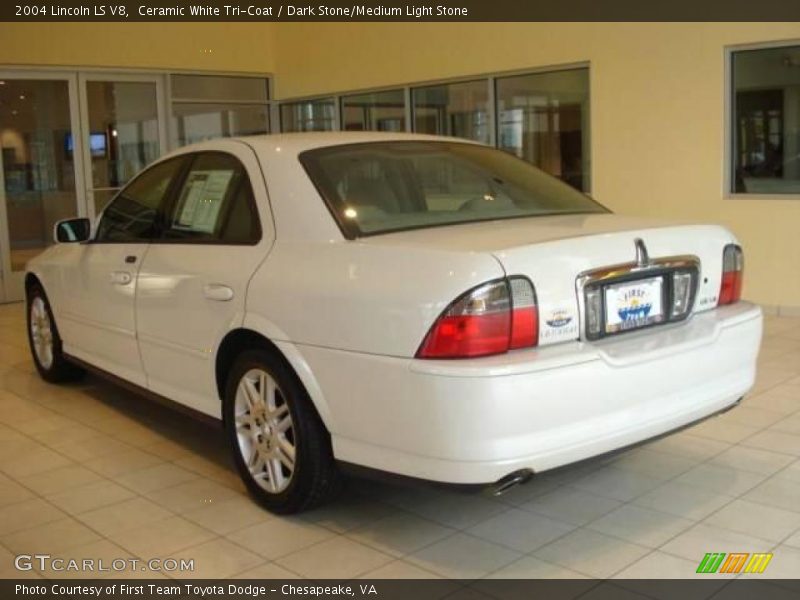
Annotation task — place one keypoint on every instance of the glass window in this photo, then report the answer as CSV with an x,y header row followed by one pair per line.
x,y
385,186
215,203
132,214
379,111
213,88
543,118
205,107
310,115
199,122
123,133
766,121
36,164
456,109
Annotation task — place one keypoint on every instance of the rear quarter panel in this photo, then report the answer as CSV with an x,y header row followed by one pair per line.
x,y
350,296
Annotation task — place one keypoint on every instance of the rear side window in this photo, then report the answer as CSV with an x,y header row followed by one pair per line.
x,y
132,216
214,203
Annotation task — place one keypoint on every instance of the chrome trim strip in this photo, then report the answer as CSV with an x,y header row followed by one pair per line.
x,y
621,270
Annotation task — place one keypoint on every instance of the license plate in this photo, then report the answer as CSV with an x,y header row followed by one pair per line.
x,y
634,304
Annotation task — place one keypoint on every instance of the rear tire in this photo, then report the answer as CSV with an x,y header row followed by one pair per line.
x,y
45,342
280,445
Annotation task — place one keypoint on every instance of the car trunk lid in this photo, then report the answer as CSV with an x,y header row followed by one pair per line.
x,y
553,252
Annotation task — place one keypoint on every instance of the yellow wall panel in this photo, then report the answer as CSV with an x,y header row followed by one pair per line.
x,y
246,47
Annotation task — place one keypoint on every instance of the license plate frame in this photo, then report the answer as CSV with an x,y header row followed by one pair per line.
x,y
591,287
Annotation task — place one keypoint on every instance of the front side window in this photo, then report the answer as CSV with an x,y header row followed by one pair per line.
x,y
381,187
133,214
766,121
214,203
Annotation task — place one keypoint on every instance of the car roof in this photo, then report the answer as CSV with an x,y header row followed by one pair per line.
x,y
292,144
295,143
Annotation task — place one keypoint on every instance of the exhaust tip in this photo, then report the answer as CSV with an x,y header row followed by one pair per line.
x,y
502,485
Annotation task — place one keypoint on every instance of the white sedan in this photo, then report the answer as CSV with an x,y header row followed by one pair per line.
x,y
419,305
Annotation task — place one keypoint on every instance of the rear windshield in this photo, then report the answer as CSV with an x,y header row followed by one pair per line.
x,y
380,187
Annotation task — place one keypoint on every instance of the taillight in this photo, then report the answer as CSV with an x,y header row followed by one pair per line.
x,y
490,319
730,290
524,314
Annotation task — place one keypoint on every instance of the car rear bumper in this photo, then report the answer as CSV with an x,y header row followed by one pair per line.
x,y
475,421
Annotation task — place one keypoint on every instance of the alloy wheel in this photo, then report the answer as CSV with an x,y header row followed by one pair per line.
x,y
265,431
41,333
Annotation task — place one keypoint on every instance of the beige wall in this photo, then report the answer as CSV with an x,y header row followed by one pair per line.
x,y
657,97
246,47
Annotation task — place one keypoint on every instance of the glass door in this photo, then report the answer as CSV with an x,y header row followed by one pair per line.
x,y
40,167
124,130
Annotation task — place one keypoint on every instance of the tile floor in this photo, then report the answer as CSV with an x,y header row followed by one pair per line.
x,y
90,470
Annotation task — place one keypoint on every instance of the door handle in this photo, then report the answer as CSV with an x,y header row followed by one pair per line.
x,y
218,291
121,277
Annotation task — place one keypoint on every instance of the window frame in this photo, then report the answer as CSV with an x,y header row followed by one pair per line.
x,y
728,170
171,200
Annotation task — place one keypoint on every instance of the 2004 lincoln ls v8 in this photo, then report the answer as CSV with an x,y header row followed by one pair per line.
x,y
419,305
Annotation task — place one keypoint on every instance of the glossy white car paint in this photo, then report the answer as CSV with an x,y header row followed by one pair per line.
x,y
182,312
475,421
349,316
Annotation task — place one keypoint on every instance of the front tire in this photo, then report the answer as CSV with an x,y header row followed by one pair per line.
x,y
45,342
280,445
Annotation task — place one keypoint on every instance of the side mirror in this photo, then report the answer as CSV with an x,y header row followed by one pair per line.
x,y
72,230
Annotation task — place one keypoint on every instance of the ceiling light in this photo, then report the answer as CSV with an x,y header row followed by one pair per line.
x,y
22,96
